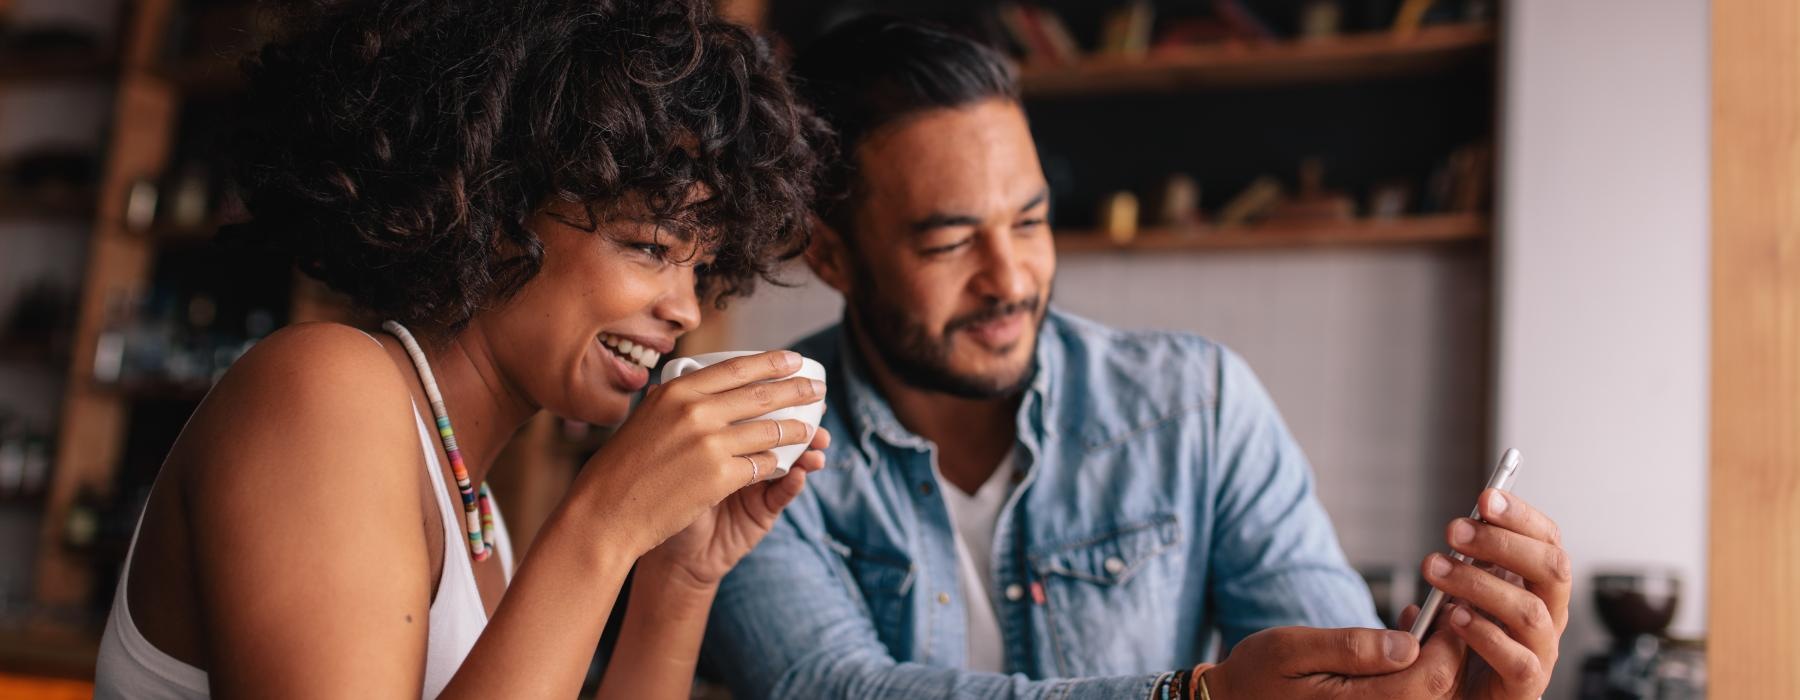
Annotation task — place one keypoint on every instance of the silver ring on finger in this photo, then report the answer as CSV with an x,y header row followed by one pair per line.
x,y
755,471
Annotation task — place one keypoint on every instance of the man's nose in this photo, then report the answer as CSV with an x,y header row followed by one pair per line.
x,y
1003,275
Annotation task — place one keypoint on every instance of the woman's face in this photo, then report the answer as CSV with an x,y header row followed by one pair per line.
x,y
580,337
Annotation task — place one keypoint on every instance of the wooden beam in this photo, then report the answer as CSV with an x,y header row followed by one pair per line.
x,y
91,437
1754,572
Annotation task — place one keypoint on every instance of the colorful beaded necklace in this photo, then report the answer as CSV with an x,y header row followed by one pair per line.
x,y
480,516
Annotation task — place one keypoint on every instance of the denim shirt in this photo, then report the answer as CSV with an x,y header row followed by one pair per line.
x,y
1162,499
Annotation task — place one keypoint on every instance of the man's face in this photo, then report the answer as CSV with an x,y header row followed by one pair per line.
x,y
950,263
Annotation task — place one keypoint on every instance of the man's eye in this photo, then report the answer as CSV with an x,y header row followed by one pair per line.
x,y
656,251
1029,223
940,250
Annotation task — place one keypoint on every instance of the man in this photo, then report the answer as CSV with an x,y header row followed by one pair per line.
x,y
1021,503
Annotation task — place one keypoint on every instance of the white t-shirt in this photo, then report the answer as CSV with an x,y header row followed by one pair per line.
x,y
974,516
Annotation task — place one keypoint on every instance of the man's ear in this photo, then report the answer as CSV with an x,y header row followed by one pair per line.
x,y
828,256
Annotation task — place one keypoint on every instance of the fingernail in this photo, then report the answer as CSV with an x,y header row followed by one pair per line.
x,y
1395,644
790,359
1496,503
1461,532
1440,567
818,388
1460,617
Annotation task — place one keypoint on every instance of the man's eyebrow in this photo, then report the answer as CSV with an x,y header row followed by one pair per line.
x,y
1035,200
937,220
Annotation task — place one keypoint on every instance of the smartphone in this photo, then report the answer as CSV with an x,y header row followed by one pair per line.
x,y
1501,479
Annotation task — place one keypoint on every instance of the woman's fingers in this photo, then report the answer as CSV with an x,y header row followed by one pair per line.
x,y
740,371
1520,610
747,402
1510,659
764,435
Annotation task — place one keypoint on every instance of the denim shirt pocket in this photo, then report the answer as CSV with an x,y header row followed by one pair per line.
x,y
1108,597
886,582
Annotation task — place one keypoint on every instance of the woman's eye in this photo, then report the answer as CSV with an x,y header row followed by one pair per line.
x,y
655,251
1029,223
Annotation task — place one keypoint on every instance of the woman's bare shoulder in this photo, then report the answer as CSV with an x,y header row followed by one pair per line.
x,y
324,386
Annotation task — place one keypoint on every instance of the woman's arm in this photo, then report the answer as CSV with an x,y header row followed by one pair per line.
x,y
660,639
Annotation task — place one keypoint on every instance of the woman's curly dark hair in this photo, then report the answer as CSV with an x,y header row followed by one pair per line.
x,y
396,148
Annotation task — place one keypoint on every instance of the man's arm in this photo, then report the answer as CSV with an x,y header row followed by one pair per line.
x,y
789,624
1275,558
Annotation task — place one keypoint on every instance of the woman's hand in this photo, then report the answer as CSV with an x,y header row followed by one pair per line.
x,y
684,450
703,553
1512,611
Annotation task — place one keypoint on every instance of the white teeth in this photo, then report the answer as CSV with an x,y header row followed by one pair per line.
x,y
638,354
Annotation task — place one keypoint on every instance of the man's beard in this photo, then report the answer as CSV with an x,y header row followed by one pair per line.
x,y
923,362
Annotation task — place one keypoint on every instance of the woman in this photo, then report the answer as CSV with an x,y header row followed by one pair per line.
x,y
539,195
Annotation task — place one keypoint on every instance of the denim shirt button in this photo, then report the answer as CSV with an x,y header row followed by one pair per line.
x,y
924,488
943,599
1114,565
1015,592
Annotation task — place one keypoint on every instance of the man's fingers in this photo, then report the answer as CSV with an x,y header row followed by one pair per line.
x,y
1544,566
1520,610
1511,512
1518,665
1347,651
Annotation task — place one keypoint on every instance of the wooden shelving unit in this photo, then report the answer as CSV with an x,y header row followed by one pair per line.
x,y
17,69
1346,58
79,207
1416,230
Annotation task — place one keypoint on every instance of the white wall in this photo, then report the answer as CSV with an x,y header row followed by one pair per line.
x,y
1603,278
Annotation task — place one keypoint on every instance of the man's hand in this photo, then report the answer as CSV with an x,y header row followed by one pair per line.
x,y
1304,663
1515,629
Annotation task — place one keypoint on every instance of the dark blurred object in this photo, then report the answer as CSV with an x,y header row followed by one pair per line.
x,y
38,326
1119,214
52,177
48,40
1178,204
1462,183
24,459
1643,664
1637,603
1321,19
1313,203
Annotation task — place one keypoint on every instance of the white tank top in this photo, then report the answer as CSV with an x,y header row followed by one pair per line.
x,y
130,667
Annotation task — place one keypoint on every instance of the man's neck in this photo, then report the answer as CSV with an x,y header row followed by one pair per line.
x,y
972,435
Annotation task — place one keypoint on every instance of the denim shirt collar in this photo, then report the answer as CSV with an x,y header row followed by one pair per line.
x,y
871,417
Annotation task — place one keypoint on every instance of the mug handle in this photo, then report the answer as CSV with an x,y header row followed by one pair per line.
x,y
677,367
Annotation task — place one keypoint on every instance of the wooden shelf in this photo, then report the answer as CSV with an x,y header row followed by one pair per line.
x,y
76,208
1346,58
1434,229
18,69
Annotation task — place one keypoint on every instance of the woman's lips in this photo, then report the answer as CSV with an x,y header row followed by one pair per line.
x,y
627,376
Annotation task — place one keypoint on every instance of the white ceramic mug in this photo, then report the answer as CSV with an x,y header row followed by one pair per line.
x,y
810,414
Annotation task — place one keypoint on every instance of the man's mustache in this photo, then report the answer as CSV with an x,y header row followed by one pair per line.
x,y
993,312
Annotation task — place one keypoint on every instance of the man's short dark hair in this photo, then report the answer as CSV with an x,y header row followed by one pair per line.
x,y
876,70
